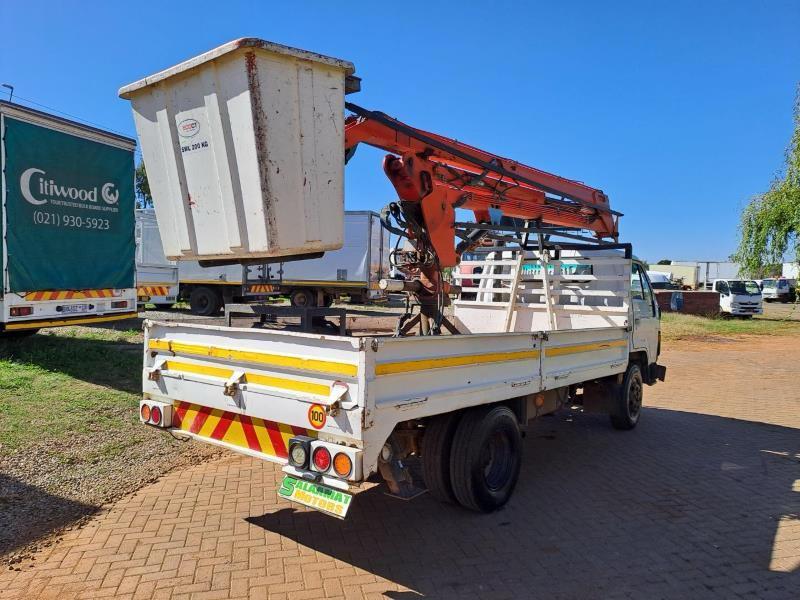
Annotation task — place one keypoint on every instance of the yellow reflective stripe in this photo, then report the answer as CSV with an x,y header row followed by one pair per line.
x,y
407,366
275,360
294,385
561,350
37,324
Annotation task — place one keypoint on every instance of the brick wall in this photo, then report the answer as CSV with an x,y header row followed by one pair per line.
x,y
693,303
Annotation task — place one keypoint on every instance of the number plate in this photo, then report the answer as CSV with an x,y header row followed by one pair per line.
x,y
315,495
71,309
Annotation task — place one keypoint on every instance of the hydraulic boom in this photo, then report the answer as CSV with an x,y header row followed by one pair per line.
x,y
434,175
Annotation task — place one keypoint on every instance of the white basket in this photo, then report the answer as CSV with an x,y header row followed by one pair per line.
x,y
244,150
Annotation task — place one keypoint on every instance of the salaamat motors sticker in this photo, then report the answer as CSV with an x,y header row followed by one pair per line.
x,y
316,496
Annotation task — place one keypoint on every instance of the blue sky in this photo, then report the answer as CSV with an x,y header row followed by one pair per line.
x,y
680,111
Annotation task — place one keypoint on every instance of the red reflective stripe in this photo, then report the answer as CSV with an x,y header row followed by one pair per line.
x,y
179,413
222,427
250,433
200,419
298,430
276,439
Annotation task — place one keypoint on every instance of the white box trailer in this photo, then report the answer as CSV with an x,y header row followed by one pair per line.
x,y
66,216
156,275
354,270
244,148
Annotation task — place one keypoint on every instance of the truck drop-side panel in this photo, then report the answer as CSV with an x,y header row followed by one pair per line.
x,y
366,385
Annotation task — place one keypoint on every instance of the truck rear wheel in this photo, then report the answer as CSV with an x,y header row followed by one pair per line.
x,y
436,445
627,404
485,458
204,302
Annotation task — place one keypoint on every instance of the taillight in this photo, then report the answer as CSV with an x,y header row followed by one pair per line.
x,y
21,311
342,465
321,459
155,413
119,304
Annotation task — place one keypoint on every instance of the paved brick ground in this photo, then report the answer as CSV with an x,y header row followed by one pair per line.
x,y
700,501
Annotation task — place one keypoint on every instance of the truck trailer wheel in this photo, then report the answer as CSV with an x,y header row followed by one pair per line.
x,y
436,445
628,401
485,458
303,298
204,301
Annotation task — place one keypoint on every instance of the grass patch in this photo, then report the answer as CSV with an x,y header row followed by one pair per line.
x,y
676,326
67,383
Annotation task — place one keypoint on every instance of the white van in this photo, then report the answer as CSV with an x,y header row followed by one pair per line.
x,y
738,297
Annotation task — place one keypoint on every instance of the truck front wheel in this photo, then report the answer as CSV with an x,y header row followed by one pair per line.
x,y
485,458
627,403
204,302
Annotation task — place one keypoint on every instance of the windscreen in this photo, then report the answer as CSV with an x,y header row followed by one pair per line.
x,y
749,288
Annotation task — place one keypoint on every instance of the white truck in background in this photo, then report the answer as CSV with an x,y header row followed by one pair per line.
x,y
354,271
156,276
738,297
778,289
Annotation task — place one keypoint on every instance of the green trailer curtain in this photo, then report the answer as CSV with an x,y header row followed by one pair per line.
x,y
70,211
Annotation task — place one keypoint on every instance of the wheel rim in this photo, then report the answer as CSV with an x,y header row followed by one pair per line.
x,y
498,461
301,300
634,398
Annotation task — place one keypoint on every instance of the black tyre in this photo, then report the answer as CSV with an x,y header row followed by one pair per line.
x,y
485,458
436,445
627,405
204,301
303,298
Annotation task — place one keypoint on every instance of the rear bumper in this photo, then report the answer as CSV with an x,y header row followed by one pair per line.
x,y
78,320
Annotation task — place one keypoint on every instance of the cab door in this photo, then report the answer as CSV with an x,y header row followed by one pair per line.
x,y
645,313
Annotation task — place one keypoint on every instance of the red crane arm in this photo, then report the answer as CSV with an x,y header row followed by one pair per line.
x,y
441,174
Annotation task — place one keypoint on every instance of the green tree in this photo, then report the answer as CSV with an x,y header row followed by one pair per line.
x,y
144,199
770,223
664,261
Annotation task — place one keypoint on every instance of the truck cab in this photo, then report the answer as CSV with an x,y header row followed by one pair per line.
x,y
738,297
777,289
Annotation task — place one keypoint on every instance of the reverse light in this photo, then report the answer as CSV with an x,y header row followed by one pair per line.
x,y
299,451
342,465
21,311
321,459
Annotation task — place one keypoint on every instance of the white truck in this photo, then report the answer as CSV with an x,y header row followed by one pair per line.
x,y
354,270
738,297
156,275
333,410
537,327
778,289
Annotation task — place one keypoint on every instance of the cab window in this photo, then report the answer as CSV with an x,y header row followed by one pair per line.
x,y
641,293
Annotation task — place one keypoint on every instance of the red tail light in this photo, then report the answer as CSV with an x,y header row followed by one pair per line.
x,y
119,304
21,311
322,459
155,415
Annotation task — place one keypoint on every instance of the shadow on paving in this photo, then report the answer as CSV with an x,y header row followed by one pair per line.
x,y
115,364
686,505
35,513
